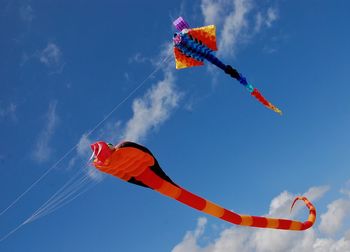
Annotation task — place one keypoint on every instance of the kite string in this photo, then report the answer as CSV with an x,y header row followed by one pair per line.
x,y
88,134
66,188
55,208
34,215
59,201
69,188
31,218
12,231
37,181
28,220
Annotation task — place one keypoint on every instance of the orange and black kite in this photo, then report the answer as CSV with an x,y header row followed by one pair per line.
x,y
134,163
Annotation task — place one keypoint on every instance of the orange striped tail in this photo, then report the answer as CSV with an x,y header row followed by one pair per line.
x,y
149,178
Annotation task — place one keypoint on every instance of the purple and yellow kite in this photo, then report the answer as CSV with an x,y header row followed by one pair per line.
x,y
193,46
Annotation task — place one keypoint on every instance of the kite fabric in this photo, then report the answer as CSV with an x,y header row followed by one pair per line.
x,y
193,46
134,163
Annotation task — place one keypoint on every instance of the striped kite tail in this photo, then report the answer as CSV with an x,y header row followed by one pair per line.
x,y
149,178
252,90
285,224
266,103
312,212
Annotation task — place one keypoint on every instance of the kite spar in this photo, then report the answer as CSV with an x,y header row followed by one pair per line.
x,y
193,46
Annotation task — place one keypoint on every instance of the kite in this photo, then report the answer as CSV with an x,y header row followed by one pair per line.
x,y
193,46
134,163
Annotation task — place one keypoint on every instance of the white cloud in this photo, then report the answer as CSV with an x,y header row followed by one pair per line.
x,y
51,56
211,11
82,150
272,16
316,192
127,76
265,19
259,21
280,205
111,132
138,58
234,23
26,13
332,220
153,109
148,113
83,146
189,242
42,149
244,239
346,189
330,245
94,174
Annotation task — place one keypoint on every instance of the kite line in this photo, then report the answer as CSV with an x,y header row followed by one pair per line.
x,y
41,177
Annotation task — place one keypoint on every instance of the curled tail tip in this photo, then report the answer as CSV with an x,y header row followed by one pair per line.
x,y
312,214
294,201
303,198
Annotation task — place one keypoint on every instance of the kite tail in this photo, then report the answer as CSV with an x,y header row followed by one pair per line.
x,y
236,75
149,178
252,90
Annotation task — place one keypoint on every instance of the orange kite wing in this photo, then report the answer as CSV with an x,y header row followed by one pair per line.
x,y
205,35
182,61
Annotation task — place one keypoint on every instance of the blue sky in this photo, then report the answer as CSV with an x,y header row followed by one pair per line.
x,y
66,69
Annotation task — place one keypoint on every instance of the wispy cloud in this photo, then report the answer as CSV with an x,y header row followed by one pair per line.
x,y
265,19
149,112
26,13
212,11
271,17
42,150
280,205
233,14
333,219
156,105
83,151
51,55
261,240
346,189
8,111
83,146
235,23
152,109
138,58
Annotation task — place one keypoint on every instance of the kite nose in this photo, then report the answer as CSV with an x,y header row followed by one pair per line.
x,y
101,151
